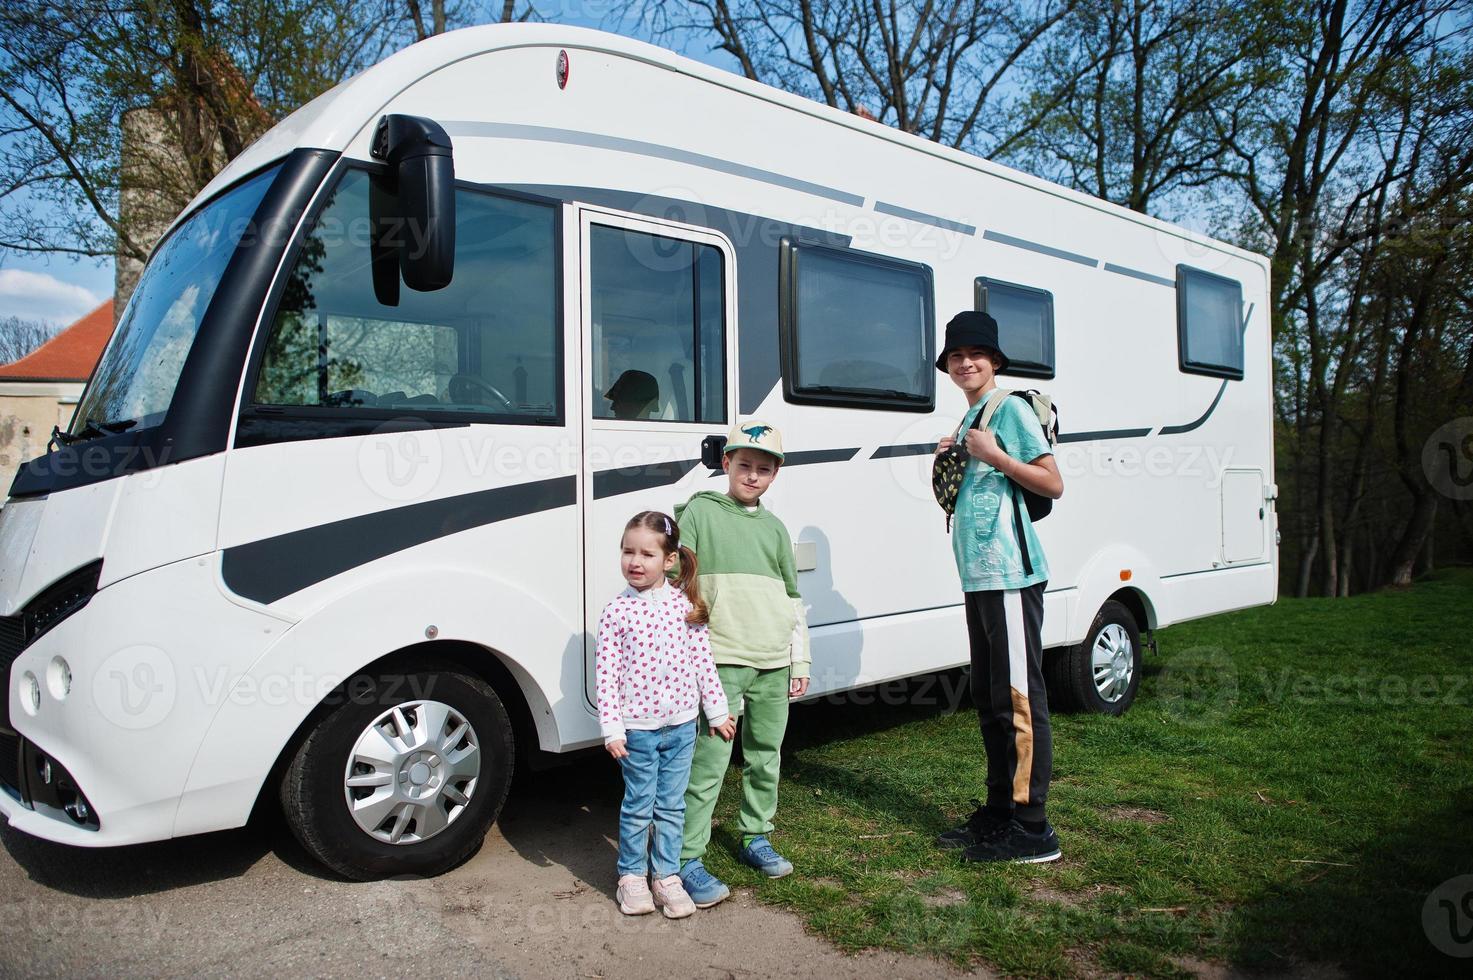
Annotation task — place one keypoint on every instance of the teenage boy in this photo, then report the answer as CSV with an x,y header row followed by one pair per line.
x,y
1004,603
759,639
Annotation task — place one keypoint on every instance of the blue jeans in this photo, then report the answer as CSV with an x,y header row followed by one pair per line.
x,y
656,771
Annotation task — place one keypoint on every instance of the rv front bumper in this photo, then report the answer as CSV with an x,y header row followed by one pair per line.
x,y
114,703
31,778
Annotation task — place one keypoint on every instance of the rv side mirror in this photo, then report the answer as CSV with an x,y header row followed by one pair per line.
x,y
712,448
422,228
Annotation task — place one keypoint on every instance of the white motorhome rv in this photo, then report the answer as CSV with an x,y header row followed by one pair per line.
x,y
342,502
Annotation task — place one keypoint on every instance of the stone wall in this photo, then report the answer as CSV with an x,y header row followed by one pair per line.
x,y
28,410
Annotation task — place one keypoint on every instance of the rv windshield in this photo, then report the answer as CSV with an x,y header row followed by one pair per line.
x,y
135,379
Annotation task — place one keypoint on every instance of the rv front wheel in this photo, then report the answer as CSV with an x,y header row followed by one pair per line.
x,y
1102,674
403,776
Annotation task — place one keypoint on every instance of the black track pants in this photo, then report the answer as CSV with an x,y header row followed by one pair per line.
x,y
1005,628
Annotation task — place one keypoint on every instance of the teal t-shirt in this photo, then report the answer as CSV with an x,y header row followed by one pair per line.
x,y
983,535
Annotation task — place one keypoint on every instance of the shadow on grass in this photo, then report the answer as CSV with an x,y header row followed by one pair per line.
x,y
569,815
565,815
877,708
1368,917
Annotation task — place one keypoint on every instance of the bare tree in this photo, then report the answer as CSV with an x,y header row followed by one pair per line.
x,y
1314,154
947,72
212,75
1142,84
19,336
443,17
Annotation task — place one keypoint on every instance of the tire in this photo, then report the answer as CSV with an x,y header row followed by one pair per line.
x,y
422,799
1071,672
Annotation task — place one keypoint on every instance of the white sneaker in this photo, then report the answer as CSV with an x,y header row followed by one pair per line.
x,y
634,896
670,895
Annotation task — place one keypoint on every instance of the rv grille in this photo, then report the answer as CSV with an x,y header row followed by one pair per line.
x,y
12,641
10,762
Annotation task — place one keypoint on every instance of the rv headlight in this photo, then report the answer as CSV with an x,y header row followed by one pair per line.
x,y
59,678
30,693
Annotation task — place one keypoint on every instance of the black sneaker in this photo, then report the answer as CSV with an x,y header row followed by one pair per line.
x,y
1016,843
981,826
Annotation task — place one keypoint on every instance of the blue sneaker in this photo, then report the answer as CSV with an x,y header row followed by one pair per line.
x,y
704,888
760,855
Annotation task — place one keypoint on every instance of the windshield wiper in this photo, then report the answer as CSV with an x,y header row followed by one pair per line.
x,y
60,438
91,430
122,425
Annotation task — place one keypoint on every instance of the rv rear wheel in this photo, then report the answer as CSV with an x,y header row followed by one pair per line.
x,y
403,776
1102,674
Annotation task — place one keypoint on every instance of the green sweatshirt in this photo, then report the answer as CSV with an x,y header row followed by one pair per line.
x,y
745,561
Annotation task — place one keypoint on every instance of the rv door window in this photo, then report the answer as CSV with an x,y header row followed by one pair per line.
x,y
1209,323
659,328
857,329
486,345
1025,324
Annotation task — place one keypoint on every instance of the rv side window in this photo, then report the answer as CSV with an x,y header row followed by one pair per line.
x,y
659,328
1025,324
1209,323
486,346
857,329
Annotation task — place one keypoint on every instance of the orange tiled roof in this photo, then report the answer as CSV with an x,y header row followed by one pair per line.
x,y
70,355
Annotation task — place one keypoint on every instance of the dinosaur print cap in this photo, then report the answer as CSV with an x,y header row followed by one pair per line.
x,y
754,434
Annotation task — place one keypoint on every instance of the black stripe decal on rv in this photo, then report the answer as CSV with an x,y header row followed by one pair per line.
x,y
1103,434
611,483
909,449
1172,430
275,567
820,456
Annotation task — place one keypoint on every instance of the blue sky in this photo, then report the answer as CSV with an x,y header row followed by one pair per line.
x,y
59,289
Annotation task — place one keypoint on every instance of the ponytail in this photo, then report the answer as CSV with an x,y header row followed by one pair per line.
x,y
669,531
691,586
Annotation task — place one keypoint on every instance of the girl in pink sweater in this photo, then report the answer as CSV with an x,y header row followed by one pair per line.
x,y
654,675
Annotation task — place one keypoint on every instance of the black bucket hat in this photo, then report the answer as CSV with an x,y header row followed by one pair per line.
x,y
971,328
634,385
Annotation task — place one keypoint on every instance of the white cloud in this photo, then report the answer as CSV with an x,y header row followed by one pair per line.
x,y
39,296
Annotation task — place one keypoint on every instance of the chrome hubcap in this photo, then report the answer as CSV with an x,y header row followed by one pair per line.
x,y
1113,660
412,772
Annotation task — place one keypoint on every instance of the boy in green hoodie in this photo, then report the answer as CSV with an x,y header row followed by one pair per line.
x,y
759,639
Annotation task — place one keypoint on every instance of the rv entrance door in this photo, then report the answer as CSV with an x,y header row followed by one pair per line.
x,y
658,354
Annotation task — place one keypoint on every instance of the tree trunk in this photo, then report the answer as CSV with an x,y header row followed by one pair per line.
x,y
1414,538
1330,545
1368,562
1306,564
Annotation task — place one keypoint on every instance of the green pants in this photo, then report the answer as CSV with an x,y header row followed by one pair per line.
x,y
760,698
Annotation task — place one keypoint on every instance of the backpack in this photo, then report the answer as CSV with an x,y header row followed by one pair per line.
x,y
951,464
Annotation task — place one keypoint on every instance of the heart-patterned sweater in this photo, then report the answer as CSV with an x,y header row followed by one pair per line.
x,y
653,668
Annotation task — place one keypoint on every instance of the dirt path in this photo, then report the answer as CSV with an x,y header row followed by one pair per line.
x,y
535,902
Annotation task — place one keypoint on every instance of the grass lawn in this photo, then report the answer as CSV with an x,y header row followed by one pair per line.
x,y
1289,787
